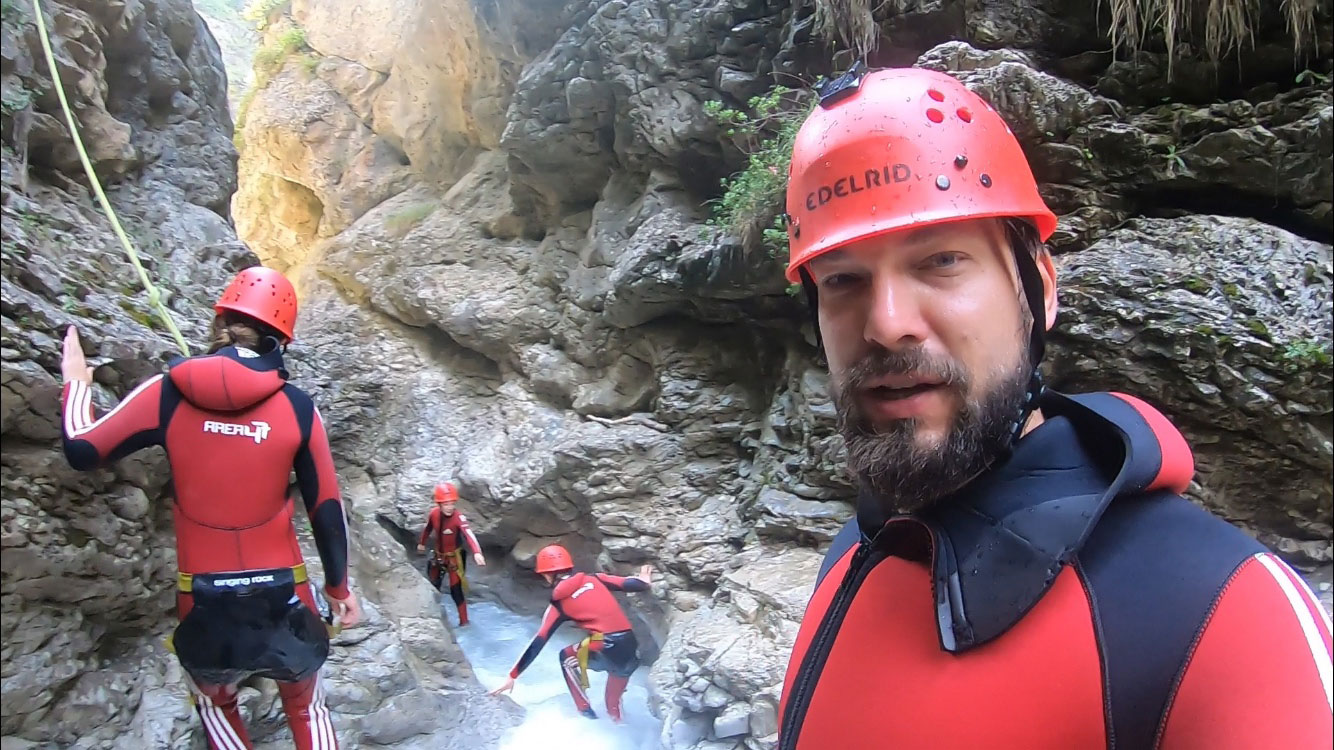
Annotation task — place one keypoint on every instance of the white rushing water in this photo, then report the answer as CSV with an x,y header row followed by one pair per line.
x,y
493,642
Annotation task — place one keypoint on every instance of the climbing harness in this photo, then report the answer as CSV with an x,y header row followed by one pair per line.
x,y
453,563
154,296
584,647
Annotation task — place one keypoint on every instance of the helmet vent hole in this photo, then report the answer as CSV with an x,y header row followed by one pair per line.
x,y
960,161
935,115
934,94
943,182
964,114
985,179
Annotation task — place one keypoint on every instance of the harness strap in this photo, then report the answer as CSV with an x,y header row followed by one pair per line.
x,y
453,562
185,581
584,647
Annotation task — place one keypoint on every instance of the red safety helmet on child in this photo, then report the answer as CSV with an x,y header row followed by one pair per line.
x,y
263,294
553,558
446,493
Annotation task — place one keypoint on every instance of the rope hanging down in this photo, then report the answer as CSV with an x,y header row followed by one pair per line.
x,y
154,297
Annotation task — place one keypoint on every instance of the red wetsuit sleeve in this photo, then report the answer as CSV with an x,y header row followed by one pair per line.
x,y
1259,675
551,620
468,537
431,518
134,424
324,505
620,583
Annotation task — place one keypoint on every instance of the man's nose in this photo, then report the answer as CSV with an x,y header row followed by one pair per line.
x,y
895,320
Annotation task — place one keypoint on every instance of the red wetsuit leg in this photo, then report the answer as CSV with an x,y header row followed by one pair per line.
x,y
456,593
216,706
569,666
615,689
307,714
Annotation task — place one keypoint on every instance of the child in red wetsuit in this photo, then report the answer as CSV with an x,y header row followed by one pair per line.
x,y
586,600
234,428
449,526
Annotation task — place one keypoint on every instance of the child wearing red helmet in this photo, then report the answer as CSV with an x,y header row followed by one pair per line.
x,y
586,600
447,526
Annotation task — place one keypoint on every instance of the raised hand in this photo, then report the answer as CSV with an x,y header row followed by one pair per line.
x,y
73,365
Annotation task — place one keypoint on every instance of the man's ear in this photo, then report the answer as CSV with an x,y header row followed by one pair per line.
x,y
1047,269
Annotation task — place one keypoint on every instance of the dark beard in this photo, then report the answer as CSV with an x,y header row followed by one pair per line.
x,y
888,462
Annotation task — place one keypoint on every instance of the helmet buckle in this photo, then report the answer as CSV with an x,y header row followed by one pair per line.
x,y
832,92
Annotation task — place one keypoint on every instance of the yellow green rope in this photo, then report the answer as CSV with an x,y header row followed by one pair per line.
x,y
154,297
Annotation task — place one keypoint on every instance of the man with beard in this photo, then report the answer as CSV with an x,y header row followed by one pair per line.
x,y
1022,571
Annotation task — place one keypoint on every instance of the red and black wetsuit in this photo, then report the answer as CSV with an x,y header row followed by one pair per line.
x,y
1069,598
447,530
234,430
587,601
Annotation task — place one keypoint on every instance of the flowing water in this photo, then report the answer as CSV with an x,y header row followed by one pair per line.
x,y
493,642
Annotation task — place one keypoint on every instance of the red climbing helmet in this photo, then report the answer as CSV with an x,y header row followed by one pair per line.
x,y
902,147
553,558
446,493
263,294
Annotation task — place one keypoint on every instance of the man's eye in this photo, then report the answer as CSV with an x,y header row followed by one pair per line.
x,y
943,260
839,280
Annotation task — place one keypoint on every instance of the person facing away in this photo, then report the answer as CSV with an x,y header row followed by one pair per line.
x,y
1022,570
587,601
447,526
234,429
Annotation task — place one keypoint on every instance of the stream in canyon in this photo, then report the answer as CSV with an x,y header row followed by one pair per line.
x,y
493,642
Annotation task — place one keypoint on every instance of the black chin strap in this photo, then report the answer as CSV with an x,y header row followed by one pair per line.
x,y
1031,280
812,303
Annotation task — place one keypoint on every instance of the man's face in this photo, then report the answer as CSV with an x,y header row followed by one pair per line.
x,y
446,508
926,336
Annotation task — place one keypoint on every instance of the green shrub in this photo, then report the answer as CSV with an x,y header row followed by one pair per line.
x,y
270,58
1308,354
258,12
751,206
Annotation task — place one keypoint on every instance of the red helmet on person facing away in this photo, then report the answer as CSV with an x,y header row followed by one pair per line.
x,y
263,294
553,558
445,492
903,148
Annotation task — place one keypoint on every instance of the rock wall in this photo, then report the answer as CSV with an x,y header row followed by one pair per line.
x,y
89,557
545,314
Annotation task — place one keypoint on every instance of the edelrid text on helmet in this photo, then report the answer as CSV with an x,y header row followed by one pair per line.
x,y
902,148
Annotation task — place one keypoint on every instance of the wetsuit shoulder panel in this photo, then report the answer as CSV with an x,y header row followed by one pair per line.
x,y
1152,568
1259,672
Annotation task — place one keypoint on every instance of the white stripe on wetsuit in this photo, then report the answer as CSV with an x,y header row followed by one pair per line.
x,y
1301,607
79,413
216,725
322,736
571,666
